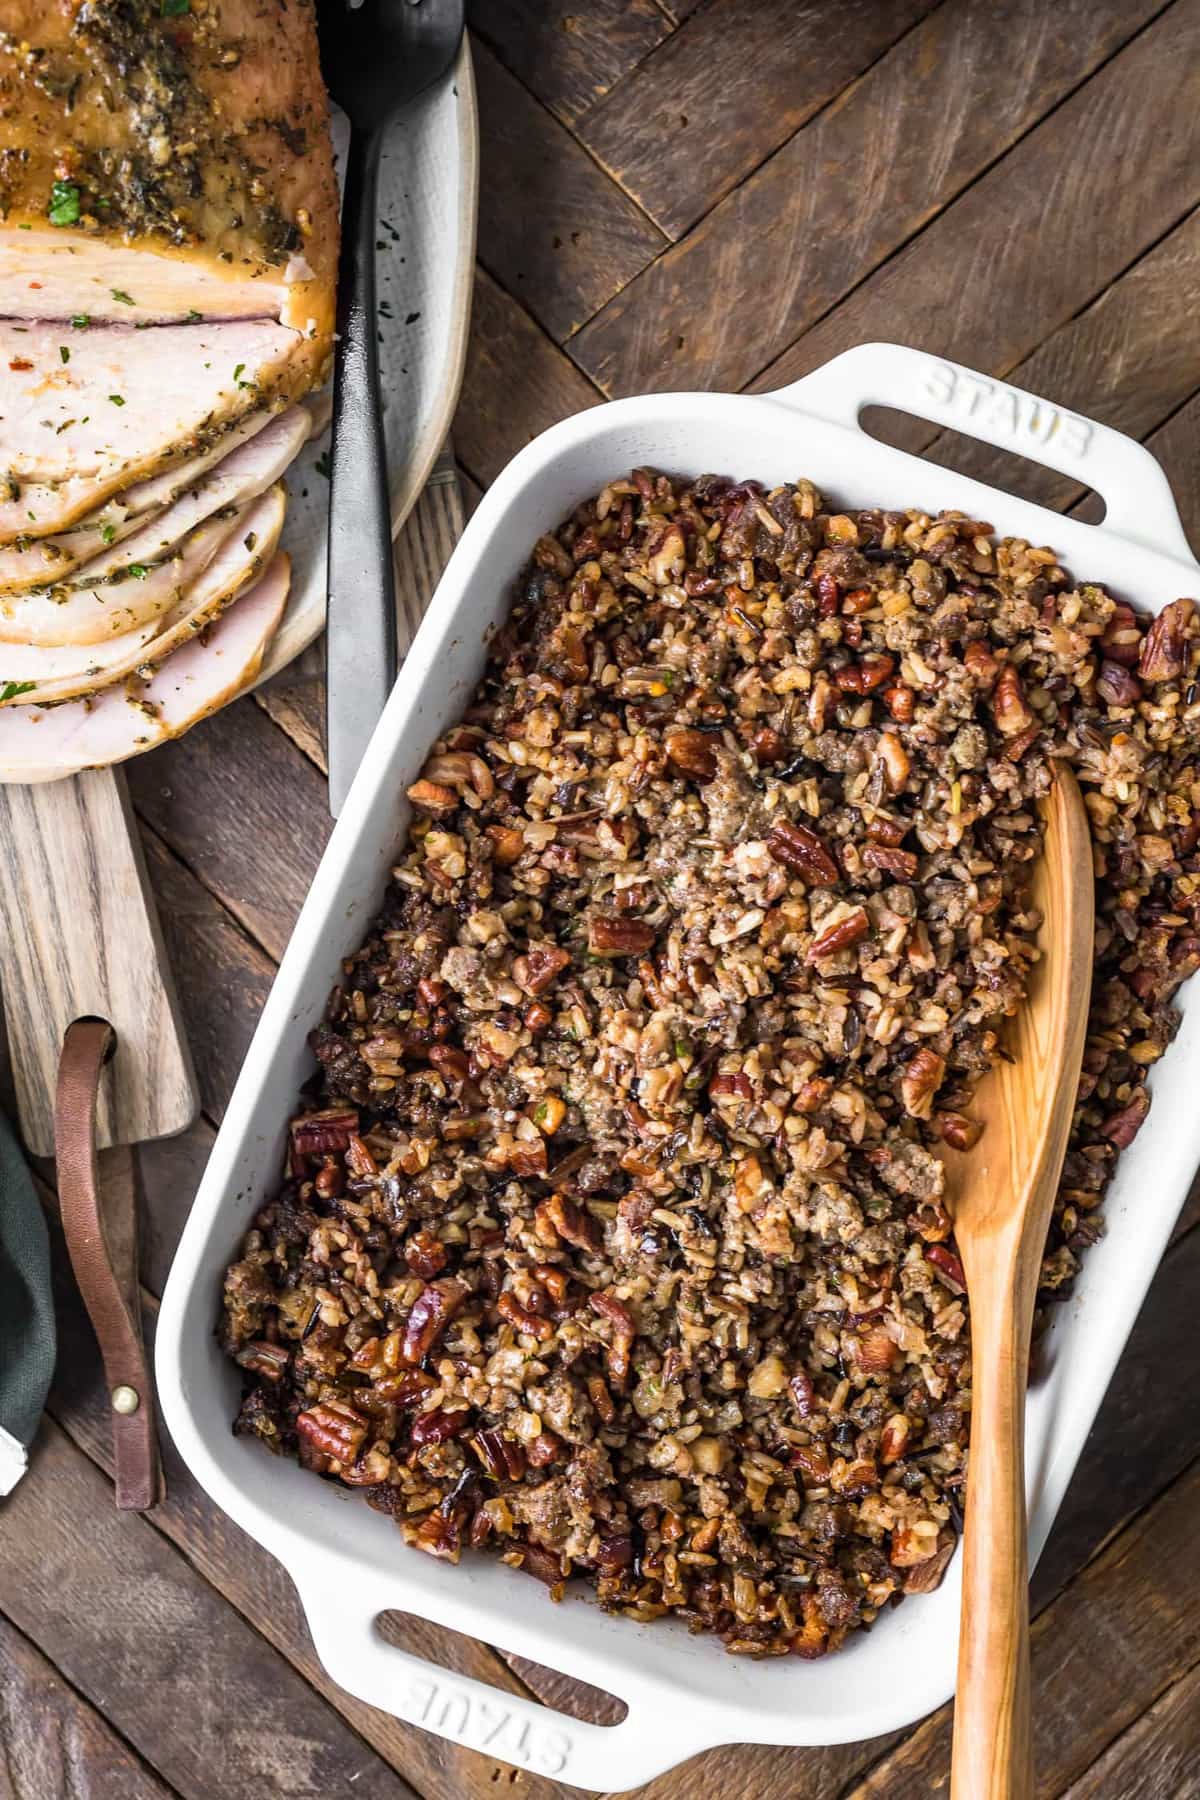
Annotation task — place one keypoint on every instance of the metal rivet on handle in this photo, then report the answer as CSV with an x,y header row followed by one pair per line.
x,y
125,1400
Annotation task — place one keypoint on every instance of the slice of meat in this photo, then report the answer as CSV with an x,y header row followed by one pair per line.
x,y
46,743
175,502
167,162
72,614
65,672
125,404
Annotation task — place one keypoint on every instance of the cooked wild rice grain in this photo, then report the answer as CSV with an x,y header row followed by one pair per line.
x,y
612,1236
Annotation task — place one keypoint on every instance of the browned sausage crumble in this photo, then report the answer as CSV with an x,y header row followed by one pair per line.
x,y
611,1236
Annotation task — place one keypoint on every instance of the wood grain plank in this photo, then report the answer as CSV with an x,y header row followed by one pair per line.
x,y
222,975
244,810
207,1703
169,1173
1022,251
257,1588
1121,1634
728,88
567,54
509,356
554,229
1130,359
53,1745
81,937
1158,1756
845,191
1177,446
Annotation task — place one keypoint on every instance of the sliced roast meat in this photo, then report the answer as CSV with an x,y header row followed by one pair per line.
x,y
124,405
46,673
166,162
46,743
175,502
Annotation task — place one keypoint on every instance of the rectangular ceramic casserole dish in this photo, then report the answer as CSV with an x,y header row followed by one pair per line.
x,y
684,1693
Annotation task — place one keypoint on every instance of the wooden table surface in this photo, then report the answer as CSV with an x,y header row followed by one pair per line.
x,y
675,193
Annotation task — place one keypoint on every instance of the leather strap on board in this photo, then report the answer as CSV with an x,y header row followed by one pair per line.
x,y
100,1222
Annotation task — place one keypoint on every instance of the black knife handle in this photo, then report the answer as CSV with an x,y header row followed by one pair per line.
x,y
360,644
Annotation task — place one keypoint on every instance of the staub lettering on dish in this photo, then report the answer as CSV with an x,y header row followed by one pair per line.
x,y
1007,411
487,1725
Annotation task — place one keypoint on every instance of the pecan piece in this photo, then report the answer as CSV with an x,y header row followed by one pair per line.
x,y
563,1218
1118,685
958,1131
1009,710
900,863
1163,646
980,659
893,1440
920,1081
614,1553
804,1397
839,935
425,1254
507,844
623,1333
691,753
432,1311
520,1317
320,1132
1120,1128
802,851
901,702
611,935
333,1429
948,1266
438,1426
864,677
262,1358
539,967
503,1459
895,760
544,1449
875,1351
431,797
768,746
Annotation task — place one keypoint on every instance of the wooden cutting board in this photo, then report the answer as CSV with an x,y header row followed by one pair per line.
x,y
79,937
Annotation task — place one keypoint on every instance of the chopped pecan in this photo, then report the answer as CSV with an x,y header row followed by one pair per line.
x,y
691,752
539,967
431,797
265,1359
804,1397
925,1576
900,863
734,1086
601,1399
864,677
1122,641
812,1094
895,759
623,1333
802,851
958,1131
768,746
843,932
980,659
948,1266
333,1429
812,1460
425,1254
893,1440
544,1449
1118,685
1163,647
611,935
438,1426
1009,709
500,1455
319,1132
537,1017
921,1079
564,1219
507,844
433,1309
614,1553
406,1388
523,1319
901,702
875,1351
1121,1127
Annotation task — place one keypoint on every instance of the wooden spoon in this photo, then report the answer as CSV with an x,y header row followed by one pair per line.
x,y
1001,1194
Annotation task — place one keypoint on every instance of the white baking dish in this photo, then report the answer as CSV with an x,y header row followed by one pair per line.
x,y
684,1694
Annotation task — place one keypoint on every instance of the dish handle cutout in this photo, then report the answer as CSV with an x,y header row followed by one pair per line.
x,y
1139,505
652,1738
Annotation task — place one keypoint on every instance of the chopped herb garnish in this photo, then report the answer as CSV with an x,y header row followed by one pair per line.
x,y
322,465
237,373
81,321
64,353
11,689
64,203
24,227
139,571
122,297
116,399
193,315
175,9
107,533
250,539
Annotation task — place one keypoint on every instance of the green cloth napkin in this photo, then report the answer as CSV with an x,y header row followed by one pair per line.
x,y
26,1311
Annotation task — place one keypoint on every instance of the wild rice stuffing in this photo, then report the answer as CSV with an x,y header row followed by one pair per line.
x,y
611,1235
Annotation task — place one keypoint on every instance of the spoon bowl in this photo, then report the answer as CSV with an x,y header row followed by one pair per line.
x,y
1000,1195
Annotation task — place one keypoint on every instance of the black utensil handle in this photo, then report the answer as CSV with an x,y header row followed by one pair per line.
x,y
360,654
